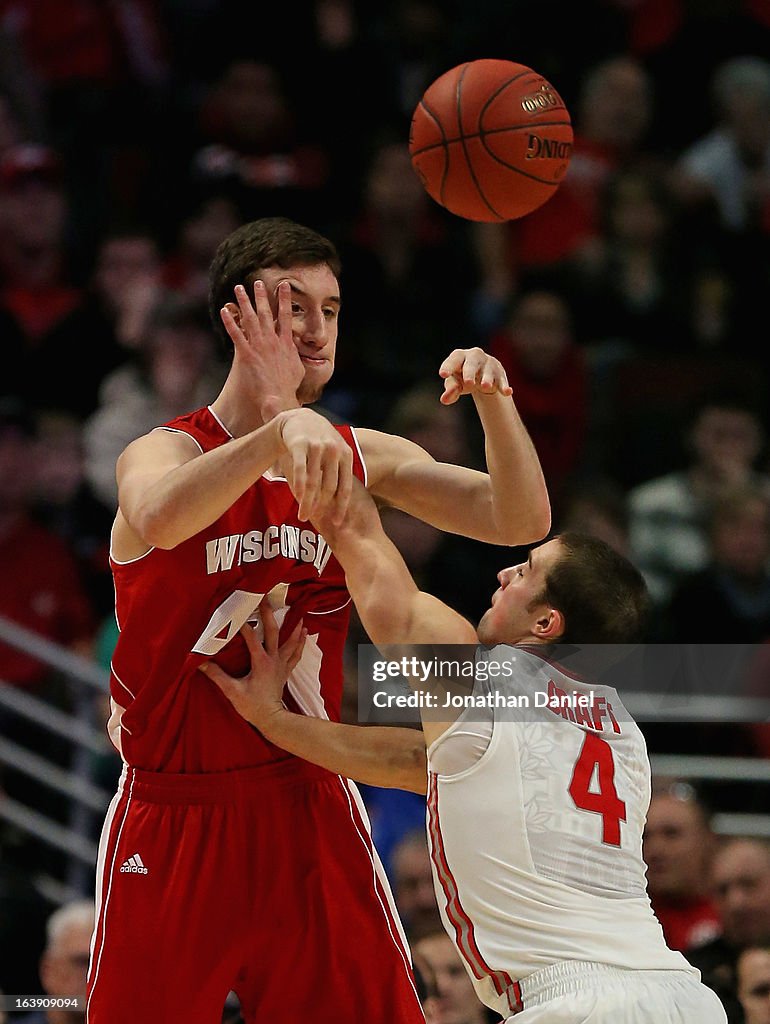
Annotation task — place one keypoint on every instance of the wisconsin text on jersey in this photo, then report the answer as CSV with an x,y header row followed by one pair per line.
x,y
255,545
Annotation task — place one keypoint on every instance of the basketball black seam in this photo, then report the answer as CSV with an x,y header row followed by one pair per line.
x,y
489,131
501,87
465,150
445,144
511,167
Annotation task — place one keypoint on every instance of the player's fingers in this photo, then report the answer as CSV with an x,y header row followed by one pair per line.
x,y
330,476
489,378
228,317
269,625
452,391
292,648
249,319
263,309
226,683
298,475
296,654
283,292
452,363
472,367
256,650
344,489
494,373
312,481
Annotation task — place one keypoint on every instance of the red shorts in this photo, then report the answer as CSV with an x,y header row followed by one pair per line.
x,y
262,881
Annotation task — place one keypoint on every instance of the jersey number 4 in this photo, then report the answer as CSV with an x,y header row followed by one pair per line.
x,y
595,764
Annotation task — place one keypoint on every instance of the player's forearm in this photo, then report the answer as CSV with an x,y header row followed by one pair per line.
x,y
372,755
379,583
381,587
190,497
519,506
391,607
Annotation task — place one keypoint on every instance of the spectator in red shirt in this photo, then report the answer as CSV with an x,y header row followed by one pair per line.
x,y
678,845
41,588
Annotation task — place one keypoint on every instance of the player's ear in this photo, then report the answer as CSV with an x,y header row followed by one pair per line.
x,y
549,624
234,311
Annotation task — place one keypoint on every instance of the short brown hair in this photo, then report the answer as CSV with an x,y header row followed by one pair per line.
x,y
601,595
268,242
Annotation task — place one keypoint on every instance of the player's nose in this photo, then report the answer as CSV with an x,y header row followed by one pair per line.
x,y
314,330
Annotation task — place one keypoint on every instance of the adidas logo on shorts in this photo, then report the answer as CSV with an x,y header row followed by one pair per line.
x,y
133,866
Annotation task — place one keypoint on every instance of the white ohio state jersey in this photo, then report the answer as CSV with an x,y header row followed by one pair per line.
x,y
537,845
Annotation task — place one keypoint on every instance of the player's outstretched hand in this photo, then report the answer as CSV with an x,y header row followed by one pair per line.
x,y
469,370
259,695
319,465
265,354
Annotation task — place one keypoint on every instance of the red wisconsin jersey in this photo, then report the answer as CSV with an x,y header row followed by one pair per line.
x,y
177,608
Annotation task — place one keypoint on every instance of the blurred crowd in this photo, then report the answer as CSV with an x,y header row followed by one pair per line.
x,y
628,311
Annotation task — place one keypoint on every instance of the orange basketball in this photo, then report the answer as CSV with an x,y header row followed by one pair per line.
x,y
491,140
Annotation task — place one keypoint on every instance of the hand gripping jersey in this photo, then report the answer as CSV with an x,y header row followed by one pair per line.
x,y
552,869
177,608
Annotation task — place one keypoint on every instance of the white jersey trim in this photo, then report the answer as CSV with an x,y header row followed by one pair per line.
x,y
112,669
219,422
304,683
176,430
357,443
380,883
128,561
101,859
329,611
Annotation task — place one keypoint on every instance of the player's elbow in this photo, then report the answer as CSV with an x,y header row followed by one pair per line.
x,y
153,526
410,770
529,528
540,522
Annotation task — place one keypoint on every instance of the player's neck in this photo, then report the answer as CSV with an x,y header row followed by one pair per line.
x,y
239,416
237,420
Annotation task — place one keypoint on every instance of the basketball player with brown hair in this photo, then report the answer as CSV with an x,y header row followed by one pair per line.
x,y
535,820
225,863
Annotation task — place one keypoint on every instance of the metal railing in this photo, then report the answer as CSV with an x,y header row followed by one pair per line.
x,y
85,802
